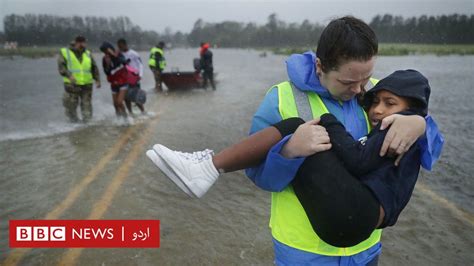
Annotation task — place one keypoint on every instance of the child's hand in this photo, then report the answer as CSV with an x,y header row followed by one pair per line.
x,y
308,139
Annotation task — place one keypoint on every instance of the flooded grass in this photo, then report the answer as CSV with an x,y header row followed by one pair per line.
x,y
31,52
398,49
385,49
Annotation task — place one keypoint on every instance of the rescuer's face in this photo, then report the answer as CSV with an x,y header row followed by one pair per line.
x,y
122,47
81,46
348,79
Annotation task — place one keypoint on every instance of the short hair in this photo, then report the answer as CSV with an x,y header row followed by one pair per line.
x,y
122,41
80,38
344,39
161,44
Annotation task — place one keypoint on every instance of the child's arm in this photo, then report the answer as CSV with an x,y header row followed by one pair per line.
x,y
106,65
275,172
359,157
253,150
249,152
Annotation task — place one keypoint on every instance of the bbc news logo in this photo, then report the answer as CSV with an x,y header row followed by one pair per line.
x,y
40,233
84,233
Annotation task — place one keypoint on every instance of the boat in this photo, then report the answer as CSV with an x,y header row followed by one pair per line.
x,y
181,80
177,80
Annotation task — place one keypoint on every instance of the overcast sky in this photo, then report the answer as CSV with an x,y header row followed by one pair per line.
x,y
181,14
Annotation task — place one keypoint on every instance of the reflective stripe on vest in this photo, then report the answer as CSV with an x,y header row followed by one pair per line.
x,y
152,61
80,70
289,223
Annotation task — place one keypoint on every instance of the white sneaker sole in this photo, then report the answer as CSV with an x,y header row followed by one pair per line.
x,y
163,166
166,155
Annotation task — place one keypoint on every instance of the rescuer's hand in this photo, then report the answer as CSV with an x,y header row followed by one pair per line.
x,y
403,133
72,79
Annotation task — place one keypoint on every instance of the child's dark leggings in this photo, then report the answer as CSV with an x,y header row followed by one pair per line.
x,y
342,210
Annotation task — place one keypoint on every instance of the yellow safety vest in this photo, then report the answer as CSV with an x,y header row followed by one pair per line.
x,y
152,61
80,70
289,223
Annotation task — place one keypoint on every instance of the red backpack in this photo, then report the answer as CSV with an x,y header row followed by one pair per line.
x,y
125,75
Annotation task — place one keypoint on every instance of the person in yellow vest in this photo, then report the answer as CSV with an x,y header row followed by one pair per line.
x,y
157,63
325,82
79,71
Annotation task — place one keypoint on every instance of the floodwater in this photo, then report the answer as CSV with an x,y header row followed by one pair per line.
x,y
43,160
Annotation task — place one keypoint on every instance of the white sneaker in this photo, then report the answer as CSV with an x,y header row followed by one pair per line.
x,y
167,171
195,170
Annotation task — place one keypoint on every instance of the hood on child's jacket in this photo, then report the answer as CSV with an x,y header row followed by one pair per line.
x,y
404,83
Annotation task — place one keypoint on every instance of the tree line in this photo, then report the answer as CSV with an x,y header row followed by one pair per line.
x,y
445,29
46,30
273,34
43,30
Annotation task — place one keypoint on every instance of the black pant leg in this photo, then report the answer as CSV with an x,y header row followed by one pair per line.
x,y
342,210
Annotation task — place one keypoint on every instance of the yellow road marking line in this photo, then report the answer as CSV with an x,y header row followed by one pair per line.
x,y
54,214
17,254
70,257
462,214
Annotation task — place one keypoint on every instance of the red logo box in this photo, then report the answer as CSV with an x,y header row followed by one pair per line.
x,y
84,233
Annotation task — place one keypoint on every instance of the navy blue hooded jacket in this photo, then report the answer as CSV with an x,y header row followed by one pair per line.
x,y
391,185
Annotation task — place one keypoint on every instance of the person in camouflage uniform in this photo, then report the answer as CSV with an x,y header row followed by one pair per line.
x,y
79,70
